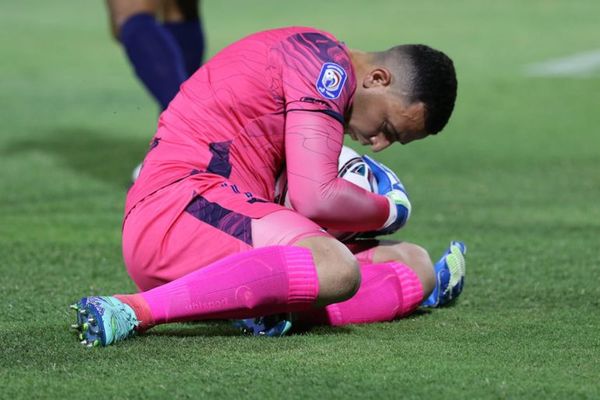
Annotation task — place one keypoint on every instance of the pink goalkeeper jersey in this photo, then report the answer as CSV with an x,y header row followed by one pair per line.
x,y
273,100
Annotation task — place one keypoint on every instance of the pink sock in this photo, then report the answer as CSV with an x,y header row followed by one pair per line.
x,y
387,291
263,281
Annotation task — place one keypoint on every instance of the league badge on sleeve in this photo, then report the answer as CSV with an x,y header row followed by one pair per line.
x,y
331,80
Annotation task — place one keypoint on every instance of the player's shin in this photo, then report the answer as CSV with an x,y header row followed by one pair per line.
x,y
262,281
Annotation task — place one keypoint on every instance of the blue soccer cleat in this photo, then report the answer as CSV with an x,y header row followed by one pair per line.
x,y
103,320
450,276
273,325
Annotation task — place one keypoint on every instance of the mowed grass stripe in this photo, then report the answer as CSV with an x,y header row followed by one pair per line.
x,y
580,64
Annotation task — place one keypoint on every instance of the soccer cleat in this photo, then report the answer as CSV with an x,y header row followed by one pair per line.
x,y
103,320
273,325
450,276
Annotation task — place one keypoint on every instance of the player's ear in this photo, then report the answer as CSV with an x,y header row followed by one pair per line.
x,y
378,76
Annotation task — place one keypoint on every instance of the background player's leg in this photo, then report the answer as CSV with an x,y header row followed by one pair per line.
x,y
151,49
182,19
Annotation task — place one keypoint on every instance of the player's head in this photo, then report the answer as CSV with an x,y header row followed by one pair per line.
x,y
403,94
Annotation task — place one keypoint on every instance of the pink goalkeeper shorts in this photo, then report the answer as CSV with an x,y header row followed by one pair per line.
x,y
194,222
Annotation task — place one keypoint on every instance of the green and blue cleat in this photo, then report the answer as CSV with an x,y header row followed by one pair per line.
x,y
273,325
450,276
103,320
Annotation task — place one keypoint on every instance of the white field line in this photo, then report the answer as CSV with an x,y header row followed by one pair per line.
x,y
580,64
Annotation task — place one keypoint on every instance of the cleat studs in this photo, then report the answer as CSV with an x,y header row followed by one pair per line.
x,y
74,307
80,336
85,326
96,343
84,342
92,320
90,345
74,326
82,311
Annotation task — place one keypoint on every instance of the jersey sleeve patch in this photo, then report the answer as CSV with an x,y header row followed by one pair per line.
x,y
331,80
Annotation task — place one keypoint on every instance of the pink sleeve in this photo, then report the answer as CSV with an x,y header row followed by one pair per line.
x,y
318,83
317,74
313,145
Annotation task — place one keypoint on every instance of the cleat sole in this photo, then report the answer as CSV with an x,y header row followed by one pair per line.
x,y
93,328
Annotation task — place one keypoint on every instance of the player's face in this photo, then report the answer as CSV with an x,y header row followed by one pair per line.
x,y
381,118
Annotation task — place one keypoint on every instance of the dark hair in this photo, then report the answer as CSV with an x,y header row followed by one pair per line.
x,y
431,80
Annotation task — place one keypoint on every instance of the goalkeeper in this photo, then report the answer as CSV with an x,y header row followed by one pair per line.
x,y
202,237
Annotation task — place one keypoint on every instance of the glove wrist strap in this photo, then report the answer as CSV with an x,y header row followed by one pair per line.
x,y
393,214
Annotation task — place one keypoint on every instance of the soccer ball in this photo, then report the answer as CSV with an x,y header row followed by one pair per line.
x,y
351,167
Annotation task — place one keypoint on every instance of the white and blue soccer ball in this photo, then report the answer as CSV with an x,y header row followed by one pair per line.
x,y
351,167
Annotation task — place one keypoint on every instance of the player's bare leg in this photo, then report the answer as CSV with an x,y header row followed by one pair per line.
x,y
151,48
121,10
337,269
411,255
182,18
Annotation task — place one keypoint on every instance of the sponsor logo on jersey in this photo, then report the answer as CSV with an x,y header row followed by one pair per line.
x,y
331,80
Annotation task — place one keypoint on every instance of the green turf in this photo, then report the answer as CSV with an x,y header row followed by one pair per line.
x,y
516,175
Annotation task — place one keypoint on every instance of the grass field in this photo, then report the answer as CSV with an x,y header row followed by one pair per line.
x,y
516,175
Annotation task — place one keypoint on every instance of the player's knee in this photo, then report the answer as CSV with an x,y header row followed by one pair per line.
x,y
337,269
348,279
339,277
121,10
418,259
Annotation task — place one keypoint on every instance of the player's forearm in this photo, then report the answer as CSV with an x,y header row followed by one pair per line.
x,y
313,144
339,204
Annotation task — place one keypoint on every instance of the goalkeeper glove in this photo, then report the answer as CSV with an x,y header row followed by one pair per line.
x,y
390,186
